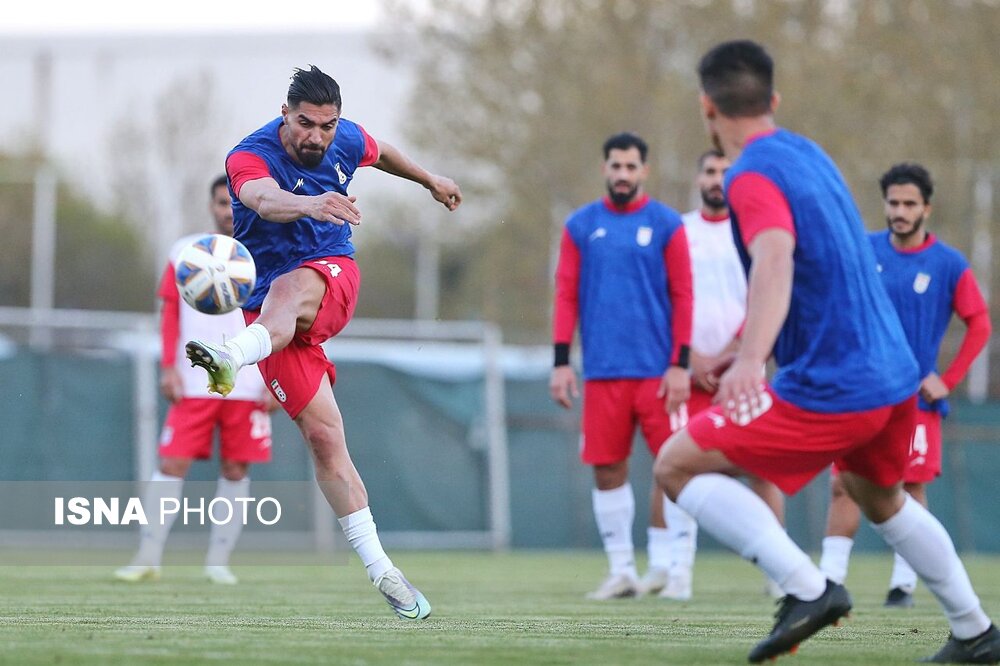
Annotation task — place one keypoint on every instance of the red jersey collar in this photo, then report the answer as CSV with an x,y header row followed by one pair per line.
x,y
928,241
721,217
630,207
759,135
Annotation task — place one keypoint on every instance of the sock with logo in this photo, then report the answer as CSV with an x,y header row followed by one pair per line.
x,y
614,511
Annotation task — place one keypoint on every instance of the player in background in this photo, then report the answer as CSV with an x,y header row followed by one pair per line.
x,y
292,212
927,281
242,420
625,274
846,381
720,296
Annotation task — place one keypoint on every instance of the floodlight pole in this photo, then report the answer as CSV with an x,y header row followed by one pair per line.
x,y
43,252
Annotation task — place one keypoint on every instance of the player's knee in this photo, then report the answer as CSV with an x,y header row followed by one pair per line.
x,y
233,470
173,466
667,470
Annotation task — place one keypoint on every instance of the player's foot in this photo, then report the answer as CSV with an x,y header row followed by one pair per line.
x,y
679,586
772,589
216,360
615,586
983,649
136,573
220,574
405,599
898,598
797,620
655,580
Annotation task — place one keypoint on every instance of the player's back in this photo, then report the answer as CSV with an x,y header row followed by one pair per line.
x,y
841,347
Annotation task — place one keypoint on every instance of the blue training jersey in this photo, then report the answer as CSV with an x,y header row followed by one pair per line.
x,y
921,284
278,248
841,348
625,312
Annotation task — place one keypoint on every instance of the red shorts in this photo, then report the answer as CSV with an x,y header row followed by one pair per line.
x,y
244,430
924,463
611,409
788,445
293,374
699,401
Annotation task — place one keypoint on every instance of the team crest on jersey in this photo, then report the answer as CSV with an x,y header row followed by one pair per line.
x,y
644,236
921,282
340,174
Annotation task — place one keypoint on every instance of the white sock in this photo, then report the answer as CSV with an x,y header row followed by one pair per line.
x,y
658,545
683,531
835,558
918,537
614,511
224,536
359,528
738,518
250,345
153,537
903,575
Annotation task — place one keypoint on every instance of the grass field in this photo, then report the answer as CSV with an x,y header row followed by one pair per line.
x,y
520,608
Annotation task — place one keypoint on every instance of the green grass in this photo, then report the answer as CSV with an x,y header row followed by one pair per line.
x,y
520,608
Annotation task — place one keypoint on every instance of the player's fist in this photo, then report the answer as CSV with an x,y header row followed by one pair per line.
x,y
562,386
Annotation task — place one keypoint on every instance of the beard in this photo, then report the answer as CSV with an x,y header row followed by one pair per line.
x,y
918,227
310,155
620,198
713,198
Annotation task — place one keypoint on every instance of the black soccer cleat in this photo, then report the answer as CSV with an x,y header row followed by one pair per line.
x,y
898,598
982,649
797,620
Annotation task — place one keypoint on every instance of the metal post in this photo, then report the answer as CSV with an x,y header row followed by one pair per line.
x,y
43,252
982,266
496,428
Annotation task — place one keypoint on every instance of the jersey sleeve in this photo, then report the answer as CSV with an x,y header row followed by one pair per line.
x,y
758,204
969,304
680,290
371,153
243,166
567,297
170,325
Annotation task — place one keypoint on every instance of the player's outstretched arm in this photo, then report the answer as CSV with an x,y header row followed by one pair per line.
x,y
393,160
265,197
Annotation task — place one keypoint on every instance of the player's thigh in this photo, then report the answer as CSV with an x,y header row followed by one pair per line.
x,y
294,374
245,431
651,412
341,281
322,424
882,456
877,502
681,458
608,421
188,427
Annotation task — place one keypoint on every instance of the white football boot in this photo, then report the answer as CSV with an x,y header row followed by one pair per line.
x,y
401,596
615,586
136,573
220,574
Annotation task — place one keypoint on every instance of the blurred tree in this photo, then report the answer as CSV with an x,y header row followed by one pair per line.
x,y
520,94
101,260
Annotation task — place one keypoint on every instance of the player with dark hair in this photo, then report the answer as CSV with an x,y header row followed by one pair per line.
x,y
291,208
846,382
927,282
242,420
624,273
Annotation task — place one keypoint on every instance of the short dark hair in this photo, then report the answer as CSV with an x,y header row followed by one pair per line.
x,y
738,77
908,173
624,141
313,86
713,152
220,181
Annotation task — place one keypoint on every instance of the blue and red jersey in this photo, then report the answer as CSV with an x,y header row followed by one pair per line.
x,y
926,284
625,274
278,248
841,347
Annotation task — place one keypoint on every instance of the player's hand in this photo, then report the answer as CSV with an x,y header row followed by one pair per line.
x,y
446,191
336,208
719,367
701,369
674,390
933,388
171,385
741,388
562,386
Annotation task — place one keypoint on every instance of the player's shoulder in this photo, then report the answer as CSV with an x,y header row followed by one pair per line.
x,y
692,217
262,141
947,252
585,212
663,212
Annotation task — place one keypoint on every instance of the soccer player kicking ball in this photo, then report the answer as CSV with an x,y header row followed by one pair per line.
x,y
292,212
846,386
927,281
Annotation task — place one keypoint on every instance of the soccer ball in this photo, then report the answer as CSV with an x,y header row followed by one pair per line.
x,y
215,274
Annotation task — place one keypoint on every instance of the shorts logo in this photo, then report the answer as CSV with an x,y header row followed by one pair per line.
x,y
279,393
718,420
644,236
335,269
340,174
167,434
921,282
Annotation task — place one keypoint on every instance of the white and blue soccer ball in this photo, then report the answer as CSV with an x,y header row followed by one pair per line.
x,y
215,274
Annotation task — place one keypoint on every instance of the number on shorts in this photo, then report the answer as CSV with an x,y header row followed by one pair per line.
x,y
260,424
918,444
